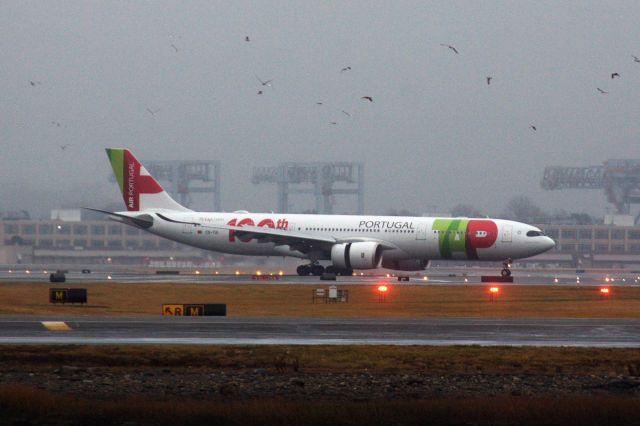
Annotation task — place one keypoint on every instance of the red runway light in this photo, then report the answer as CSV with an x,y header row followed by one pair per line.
x,y
494,290
382,288
604,290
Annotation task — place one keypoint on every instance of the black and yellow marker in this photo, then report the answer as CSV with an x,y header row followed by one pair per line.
x,y
194,310
67,295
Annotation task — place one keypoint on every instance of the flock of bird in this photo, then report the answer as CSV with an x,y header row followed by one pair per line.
x,y
533,126
264,84
267,83
613,75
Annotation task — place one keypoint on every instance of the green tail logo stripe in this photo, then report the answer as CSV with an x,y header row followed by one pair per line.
x,y
116,157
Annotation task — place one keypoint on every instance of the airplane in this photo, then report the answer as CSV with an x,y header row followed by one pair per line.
x,y
349,242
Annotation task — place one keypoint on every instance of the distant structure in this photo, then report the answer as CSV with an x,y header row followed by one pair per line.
x,y
188,177
323,180
620,180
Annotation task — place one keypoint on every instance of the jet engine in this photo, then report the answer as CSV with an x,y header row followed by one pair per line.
x,y
364,255
405,264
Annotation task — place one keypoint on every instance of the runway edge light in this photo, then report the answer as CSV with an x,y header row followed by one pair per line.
x,y
382,293
493,293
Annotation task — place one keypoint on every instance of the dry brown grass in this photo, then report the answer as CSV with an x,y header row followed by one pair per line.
x,y
17,401
18,407
295,300
435,359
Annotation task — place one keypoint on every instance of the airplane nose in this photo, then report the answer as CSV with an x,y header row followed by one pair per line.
x,y
549,243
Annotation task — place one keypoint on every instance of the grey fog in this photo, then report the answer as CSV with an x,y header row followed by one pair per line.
x,y
470,100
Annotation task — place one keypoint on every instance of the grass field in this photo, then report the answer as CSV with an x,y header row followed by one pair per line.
x,y
17,400
295,300
435,359
18,408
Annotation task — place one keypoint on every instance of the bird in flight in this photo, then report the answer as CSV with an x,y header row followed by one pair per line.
x,y
333,123
532,127
601,91
260,92
319,103
368,98
152,112
635,58
345,69
174,47
34,83
63,147
614,75
346,113
264,83
55,123
489,80
450,47
247,38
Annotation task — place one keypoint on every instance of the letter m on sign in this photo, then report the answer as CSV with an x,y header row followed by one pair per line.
x,y
193,310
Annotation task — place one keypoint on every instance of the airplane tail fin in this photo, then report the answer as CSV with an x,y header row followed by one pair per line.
x,y
140,190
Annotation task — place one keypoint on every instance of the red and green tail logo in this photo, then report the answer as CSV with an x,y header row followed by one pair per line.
x,y
132,178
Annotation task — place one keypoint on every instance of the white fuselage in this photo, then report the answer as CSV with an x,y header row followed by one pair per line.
x,y
425,238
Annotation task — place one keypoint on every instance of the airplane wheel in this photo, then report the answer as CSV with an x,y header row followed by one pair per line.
x,y
303,270
317,270
505,273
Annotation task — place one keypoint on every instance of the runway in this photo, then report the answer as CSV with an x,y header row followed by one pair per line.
x,y
613,333
467,276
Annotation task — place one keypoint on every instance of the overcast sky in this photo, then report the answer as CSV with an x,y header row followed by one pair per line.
x,y
435,135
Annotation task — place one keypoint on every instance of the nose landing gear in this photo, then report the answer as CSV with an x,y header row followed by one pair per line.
x,y
506,264
505,274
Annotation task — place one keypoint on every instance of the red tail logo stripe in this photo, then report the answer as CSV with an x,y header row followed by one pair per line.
x,y
136,184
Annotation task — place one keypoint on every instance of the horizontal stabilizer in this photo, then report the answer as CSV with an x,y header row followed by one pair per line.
x,y
141,220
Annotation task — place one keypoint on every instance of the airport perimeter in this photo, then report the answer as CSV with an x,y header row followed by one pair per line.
x,y
550,348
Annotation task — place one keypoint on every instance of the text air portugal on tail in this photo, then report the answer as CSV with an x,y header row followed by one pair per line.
x,y
140,190
347,242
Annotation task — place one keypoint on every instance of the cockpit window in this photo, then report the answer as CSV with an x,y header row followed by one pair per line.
x,y
534,234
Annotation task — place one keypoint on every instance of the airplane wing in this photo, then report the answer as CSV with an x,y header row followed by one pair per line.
x,y
297,241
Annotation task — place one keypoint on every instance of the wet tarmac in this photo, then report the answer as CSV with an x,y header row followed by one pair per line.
x,y
20,329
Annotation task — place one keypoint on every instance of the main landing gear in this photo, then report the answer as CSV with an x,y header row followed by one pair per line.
x,y
312,269
317,270
506,264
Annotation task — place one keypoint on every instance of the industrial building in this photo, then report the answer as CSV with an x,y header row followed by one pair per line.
x,y
593,246
88,242
323,180
620,180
